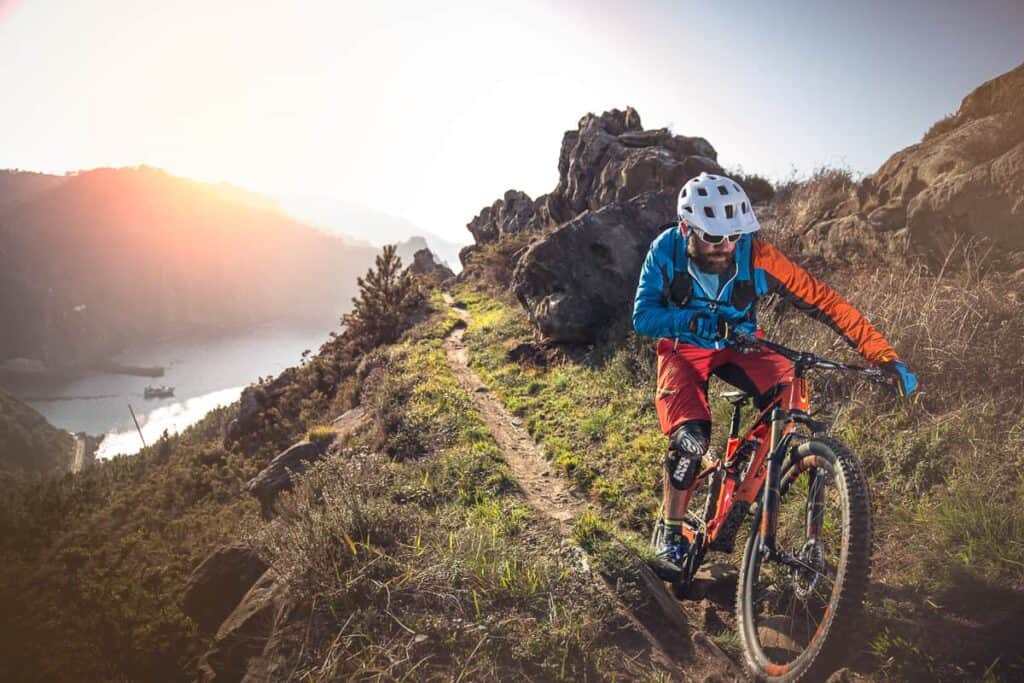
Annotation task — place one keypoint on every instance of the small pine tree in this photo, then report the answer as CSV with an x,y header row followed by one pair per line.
x,y
387,297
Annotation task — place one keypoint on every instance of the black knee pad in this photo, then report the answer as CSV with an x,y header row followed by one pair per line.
x,y
687,446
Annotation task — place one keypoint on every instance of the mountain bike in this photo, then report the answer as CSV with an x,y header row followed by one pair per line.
x,y
806,562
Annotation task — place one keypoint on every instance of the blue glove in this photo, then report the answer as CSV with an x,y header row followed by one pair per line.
x,y
906,381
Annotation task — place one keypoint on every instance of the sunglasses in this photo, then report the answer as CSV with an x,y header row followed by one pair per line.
x,y
715,239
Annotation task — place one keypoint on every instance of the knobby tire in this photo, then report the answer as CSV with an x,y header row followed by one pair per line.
x,y
762,582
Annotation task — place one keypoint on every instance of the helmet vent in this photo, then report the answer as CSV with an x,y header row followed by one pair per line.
x,y
709,212
688,208
683,193
729,210
702,192
744,207
736,187
722,189
712,177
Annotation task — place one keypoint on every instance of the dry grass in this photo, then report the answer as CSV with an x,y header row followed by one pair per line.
x,y
943,125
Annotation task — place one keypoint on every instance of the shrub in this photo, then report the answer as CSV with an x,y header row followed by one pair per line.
x,y
940,127
388,295
494,262
757,187
322,435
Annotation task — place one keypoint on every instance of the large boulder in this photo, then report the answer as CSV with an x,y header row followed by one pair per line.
x,y
581,277
608,159
611,159
218,583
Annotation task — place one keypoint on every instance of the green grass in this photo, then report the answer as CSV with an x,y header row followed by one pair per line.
x,y
595,420
412,540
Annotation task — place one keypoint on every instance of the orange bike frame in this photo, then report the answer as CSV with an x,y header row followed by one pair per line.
x,y
764,436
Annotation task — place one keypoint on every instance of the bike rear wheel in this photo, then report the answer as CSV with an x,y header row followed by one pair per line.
x,y
796,615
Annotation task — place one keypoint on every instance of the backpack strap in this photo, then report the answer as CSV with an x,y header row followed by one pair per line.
x,y
744,292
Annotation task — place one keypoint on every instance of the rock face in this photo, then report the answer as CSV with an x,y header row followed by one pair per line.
x,y
583,275
424,263
217,585
277,476
243,636
965,179
508,215
607,159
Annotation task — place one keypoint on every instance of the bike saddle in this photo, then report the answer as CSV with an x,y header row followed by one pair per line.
x,y
735,397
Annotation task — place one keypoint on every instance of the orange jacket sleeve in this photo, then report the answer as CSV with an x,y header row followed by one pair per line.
x,y
821,302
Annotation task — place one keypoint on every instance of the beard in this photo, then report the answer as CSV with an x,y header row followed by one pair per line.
x,y
713,263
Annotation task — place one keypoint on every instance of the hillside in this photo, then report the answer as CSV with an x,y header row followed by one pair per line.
x,y
115,256
20,186
30,444
364,224
412,546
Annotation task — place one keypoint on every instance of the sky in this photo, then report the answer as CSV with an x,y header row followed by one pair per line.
x,y
430,111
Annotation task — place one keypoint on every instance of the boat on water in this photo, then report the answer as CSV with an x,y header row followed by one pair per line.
x,y
158,391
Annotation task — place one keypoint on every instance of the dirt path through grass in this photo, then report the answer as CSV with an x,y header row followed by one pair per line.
x,y
543,490
663,626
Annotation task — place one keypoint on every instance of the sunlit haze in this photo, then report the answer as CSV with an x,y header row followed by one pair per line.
x,y
429,111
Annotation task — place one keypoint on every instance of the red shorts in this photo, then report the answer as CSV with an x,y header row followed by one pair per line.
x,y
683,372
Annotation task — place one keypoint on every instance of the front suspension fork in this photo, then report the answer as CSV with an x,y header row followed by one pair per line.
x,y
770,499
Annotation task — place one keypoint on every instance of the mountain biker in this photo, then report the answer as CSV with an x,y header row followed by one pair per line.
x,y
700,278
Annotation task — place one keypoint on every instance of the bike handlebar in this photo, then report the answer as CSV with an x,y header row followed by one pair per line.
x,y
806,359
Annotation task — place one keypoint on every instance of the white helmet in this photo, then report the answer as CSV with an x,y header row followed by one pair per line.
x,y
717,205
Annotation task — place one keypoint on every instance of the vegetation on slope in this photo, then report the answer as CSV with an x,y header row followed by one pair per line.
x,y
408,549
94,563
421,560
97,562
30,444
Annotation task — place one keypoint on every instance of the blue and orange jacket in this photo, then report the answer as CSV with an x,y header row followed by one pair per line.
x,y
666,303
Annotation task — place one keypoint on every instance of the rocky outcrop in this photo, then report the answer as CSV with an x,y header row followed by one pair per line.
x,y
242,637
215,586
425,263
508,215
582,276
277,476
608,159
964,179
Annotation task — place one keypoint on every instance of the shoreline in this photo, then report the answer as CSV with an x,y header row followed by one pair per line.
x,y
36,370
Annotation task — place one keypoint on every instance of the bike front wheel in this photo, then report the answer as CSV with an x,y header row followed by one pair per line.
x,y
796,612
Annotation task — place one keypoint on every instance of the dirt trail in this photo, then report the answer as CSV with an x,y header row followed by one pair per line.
x,y
544,491
550,495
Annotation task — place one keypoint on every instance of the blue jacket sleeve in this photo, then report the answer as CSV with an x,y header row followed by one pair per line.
x,y
652,316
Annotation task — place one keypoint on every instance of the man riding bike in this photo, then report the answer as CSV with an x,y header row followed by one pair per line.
x,y
700,279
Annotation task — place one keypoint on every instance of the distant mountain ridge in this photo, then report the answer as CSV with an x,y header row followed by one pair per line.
x,y
95,260
20,186
363,223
